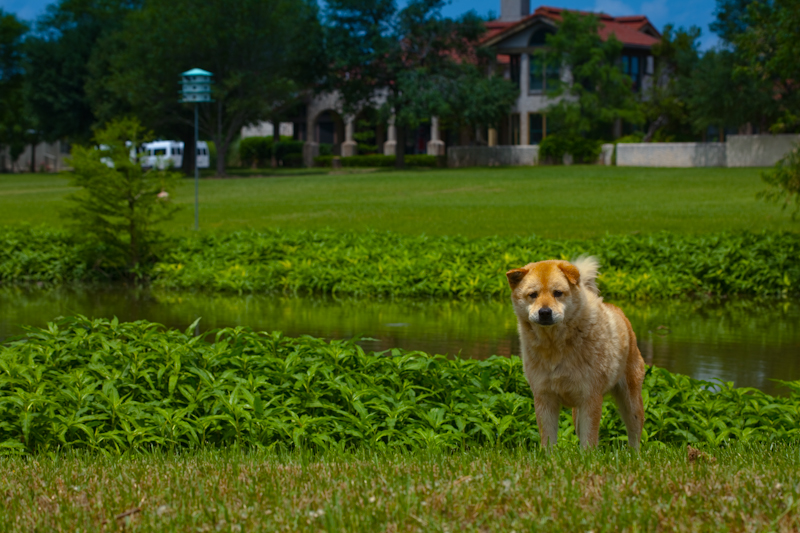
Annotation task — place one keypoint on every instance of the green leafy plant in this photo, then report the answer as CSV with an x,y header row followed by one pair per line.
x,y
784,181
120,204
554,147
106,385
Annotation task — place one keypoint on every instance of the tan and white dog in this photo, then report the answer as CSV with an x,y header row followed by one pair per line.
x,y
576,349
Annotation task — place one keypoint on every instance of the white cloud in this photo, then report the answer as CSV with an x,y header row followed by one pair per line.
x,y
616,8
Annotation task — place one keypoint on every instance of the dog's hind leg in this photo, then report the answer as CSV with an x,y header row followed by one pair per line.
x,y
628,398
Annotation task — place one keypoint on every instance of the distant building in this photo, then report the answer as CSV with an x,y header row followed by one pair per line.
x,y
515,36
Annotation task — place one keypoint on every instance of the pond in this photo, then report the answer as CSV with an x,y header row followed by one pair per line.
x,y
748,342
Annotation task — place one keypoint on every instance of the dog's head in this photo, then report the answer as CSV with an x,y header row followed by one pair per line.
x,y
547,292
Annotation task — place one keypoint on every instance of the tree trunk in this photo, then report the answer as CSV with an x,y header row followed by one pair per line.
x,y
654,127
33,156
400,148
222,154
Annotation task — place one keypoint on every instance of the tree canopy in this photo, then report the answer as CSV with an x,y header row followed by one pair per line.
x,y
262,53
13,122
599,93
413,63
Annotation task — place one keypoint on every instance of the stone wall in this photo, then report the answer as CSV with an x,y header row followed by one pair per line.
x,y
758,150
671,155
491,156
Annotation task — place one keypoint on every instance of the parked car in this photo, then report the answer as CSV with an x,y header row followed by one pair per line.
x,y
160,154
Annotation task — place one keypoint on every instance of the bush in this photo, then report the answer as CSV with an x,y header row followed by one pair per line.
x,y
554,147
293,160
662,265
370,161
784,181
119,205
256,151
105,385
288,147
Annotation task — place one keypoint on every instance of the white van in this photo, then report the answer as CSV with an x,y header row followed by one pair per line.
x,y
161,154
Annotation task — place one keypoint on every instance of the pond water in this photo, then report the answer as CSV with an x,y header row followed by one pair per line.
x,y
748,342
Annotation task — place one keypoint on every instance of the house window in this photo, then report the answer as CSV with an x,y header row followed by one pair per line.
x,y
543,76
631,66
537,127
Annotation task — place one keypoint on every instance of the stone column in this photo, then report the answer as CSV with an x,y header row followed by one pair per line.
x,y
349,146
492,137
524,86
435,145
390,146
311,146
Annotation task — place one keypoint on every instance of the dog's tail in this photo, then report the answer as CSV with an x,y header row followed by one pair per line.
x,y
588,265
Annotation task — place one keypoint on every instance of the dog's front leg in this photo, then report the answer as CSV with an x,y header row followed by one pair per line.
x,y
547,408
588,421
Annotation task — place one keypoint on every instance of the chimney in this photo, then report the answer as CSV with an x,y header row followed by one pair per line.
x,y
514,10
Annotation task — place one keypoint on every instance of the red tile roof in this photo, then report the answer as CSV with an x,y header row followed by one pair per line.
x,y
633,30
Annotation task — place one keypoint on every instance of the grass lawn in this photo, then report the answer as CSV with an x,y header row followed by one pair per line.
x,y
557,202
747,488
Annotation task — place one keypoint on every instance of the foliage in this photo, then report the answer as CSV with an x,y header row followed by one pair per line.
x,y
119,204
255,151
784,181
13,119
258,152
600,93
770,49
105,385
57,70
655,266
377,161
261,52
663,265
554,147
413,63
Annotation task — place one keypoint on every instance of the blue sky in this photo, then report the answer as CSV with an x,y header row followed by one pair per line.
x,y
660,12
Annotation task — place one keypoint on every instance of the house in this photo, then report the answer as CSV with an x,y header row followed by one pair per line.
x,y
515,36
518,34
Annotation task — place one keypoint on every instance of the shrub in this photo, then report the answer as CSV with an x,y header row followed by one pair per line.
x,y
256,151
554,147
784,181
119,205
293,160
370,161
105,385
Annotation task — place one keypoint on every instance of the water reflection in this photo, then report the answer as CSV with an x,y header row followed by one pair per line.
x,y
746,342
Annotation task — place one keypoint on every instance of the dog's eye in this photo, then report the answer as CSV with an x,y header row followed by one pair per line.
x,y
557,294
533,295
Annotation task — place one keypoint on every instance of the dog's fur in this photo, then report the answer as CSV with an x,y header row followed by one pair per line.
x,y
578,353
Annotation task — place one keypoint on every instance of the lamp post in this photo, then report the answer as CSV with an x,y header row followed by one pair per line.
x,y
196,88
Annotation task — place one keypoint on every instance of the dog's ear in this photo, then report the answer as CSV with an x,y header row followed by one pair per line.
x,y
515,276
571,272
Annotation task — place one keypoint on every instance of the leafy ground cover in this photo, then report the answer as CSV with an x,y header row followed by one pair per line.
x,y
662,265
102,385
554,202
746,488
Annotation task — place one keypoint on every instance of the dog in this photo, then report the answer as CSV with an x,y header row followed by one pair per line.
x,y
576,349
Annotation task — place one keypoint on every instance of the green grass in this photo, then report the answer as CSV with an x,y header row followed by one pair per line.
x,y
556,202
747,488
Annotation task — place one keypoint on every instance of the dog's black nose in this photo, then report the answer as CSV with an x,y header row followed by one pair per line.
x,y
545,314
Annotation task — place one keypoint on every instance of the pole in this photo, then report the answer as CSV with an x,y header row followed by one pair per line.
x,y
196,176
